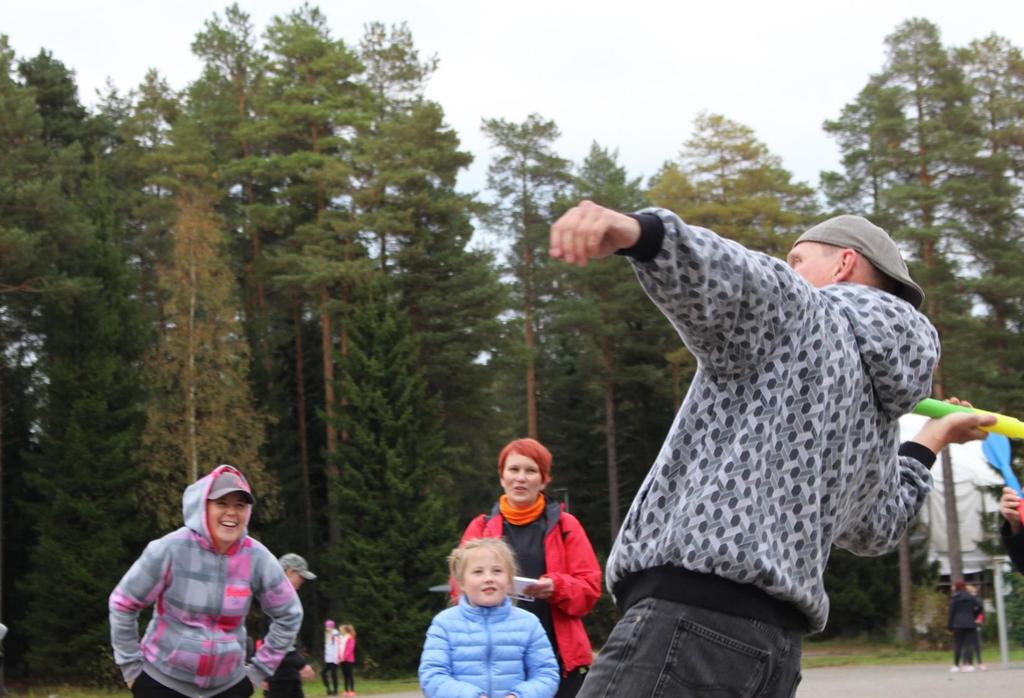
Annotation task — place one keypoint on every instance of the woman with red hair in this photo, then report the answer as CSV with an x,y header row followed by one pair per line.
x,y
551,547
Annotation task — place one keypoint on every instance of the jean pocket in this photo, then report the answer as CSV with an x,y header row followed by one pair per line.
x,y
706,662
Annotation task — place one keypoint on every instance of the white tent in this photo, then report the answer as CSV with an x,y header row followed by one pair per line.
x,y
971,473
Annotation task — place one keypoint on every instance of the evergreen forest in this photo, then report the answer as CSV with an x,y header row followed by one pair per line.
x,y
274,268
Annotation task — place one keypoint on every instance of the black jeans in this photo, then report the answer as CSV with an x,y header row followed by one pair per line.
x,y
331,678
146,686
346,670
673,650
570,685
964,645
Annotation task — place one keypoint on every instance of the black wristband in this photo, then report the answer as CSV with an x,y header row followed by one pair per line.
x,y
918,452
652,234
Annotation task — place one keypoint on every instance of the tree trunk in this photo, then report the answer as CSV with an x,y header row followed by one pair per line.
x,y
192,448
609,438
327,348
300,412
531,365
949,494
906,591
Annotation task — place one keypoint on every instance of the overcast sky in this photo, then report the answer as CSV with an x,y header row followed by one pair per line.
x,y
629,74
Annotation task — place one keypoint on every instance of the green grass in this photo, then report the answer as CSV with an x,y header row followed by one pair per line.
x,y
865,653
312,689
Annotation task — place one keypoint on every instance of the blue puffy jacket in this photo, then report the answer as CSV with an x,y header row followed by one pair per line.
x,y
487,650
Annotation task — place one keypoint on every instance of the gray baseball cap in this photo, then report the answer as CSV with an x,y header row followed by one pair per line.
x,y
874,244
292,561
229,482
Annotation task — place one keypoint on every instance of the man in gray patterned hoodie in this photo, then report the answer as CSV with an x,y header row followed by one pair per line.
x,y
786,443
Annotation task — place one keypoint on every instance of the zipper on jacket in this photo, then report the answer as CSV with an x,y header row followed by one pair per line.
x,y
490,668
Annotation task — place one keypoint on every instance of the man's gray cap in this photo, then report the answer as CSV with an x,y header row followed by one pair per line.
x,y
291,561
874,244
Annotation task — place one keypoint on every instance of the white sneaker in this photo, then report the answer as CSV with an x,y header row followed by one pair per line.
x,y
968,668
954,669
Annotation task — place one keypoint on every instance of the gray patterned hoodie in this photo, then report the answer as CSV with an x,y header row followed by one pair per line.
x,y
195,643
787,441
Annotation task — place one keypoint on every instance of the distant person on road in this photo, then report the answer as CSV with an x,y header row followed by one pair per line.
x,y
978,622
201,580
486,646
964,608
294,668
331,657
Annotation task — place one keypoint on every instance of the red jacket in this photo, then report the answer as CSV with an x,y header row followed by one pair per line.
x,y
572,566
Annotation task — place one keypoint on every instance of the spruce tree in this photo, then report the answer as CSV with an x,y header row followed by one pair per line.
x,y
393,491
418,229
39,224
86,474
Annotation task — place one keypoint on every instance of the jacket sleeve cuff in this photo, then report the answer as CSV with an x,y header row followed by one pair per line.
x,y
920,453
652,234
130,672
1007,533
255,675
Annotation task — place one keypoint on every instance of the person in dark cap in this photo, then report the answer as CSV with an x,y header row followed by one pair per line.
x,y
787,443
294,669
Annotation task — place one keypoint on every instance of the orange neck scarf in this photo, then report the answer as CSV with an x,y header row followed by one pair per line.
x,y
521,517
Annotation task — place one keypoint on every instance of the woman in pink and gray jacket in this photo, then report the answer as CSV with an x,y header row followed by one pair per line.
x,y
202,579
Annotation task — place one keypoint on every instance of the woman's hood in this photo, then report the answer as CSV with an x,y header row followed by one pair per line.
x,y
193,501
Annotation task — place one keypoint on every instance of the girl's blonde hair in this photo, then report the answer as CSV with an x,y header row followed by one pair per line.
x,y
459,556
348,630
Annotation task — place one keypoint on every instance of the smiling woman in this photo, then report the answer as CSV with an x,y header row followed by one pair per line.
x,y
202,579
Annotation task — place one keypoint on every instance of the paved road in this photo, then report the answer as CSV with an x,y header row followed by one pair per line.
x,y
919,680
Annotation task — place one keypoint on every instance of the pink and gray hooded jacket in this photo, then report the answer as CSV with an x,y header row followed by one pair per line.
x,y
195,643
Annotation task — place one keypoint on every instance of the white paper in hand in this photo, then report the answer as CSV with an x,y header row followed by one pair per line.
x,y
520,583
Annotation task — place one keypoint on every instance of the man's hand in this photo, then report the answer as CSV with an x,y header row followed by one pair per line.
x,y
589,231
307,673
956,428
1009,507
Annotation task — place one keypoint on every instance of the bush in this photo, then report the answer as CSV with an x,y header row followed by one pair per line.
x,y
930,617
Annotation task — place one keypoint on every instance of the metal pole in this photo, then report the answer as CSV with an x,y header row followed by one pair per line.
x,y
997,577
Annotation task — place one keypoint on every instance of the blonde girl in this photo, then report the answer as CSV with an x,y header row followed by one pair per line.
x,y
485,646
348,658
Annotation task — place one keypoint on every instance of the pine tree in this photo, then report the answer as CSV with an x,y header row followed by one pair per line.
x,y
526,176
910,147
314,107
394,490
605,335
994,232
728,181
